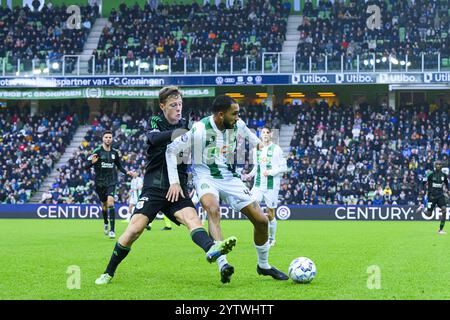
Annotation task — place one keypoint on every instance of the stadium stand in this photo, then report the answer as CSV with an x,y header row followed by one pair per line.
x,y
336,29
30,146
192,31
36,37
364,154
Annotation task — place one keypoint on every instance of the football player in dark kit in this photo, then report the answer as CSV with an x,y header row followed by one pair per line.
x,y
436,182
105,159
164,129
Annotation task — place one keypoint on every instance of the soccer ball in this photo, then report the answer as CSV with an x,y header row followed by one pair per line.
x,y
302,270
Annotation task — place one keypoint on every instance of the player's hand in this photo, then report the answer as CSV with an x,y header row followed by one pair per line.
x,y
132,174
174,192
267,173
94,158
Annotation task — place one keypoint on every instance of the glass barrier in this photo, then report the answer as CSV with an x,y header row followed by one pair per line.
x,y
334,63
430,61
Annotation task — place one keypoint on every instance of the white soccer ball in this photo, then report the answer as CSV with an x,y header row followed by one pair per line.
x,y
302,270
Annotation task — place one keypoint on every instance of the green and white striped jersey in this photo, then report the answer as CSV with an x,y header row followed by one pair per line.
x,y
212,151
269,159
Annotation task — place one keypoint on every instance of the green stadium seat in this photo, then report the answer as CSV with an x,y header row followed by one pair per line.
x,y
445,62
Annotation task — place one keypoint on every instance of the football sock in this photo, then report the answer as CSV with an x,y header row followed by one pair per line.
x,y
272,229
112,218
201,238
105,216
221,261
167,222
119,253
263,255
441,226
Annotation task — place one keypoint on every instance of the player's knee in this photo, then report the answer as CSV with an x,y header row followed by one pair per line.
x,y
213,213
191,220
262,223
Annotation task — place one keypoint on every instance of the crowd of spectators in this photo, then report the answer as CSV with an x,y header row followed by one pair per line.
x,y
360,154
193,31
336,29
32,35
29,148
364,154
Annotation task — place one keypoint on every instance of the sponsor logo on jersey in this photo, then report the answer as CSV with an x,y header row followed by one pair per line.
x,y
107,165
437,185
204,186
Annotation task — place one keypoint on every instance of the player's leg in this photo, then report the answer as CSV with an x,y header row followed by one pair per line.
x,y
105,218
442,223
112,217
123,246
240,199
167,223
188,216
272,225
443,206
130,211
271,200
101,193
260,223
208,194
211,205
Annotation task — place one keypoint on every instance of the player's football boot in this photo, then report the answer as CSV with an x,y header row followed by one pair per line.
x,y
104,279
112,234
166,228
105,229
271,242
442,232
273,272
226,272
148,227
220,248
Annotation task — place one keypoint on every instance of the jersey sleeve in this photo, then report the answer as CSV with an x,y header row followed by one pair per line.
x,y
118,163
247,133
279,163
190,141
89,163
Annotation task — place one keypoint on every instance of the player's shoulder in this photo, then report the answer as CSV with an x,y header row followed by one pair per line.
x,y
154,121
240,124
277,148
97,149
200,125
116,151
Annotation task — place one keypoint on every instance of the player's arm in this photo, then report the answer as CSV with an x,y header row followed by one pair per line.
x,y
252,173
93,159
180,144
248,134
119,165
279,163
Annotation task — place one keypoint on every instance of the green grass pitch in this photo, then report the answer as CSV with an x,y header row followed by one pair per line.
x,y
413,259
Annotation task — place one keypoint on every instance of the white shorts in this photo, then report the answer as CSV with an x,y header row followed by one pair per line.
x,y
233,191
270,197
133,200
